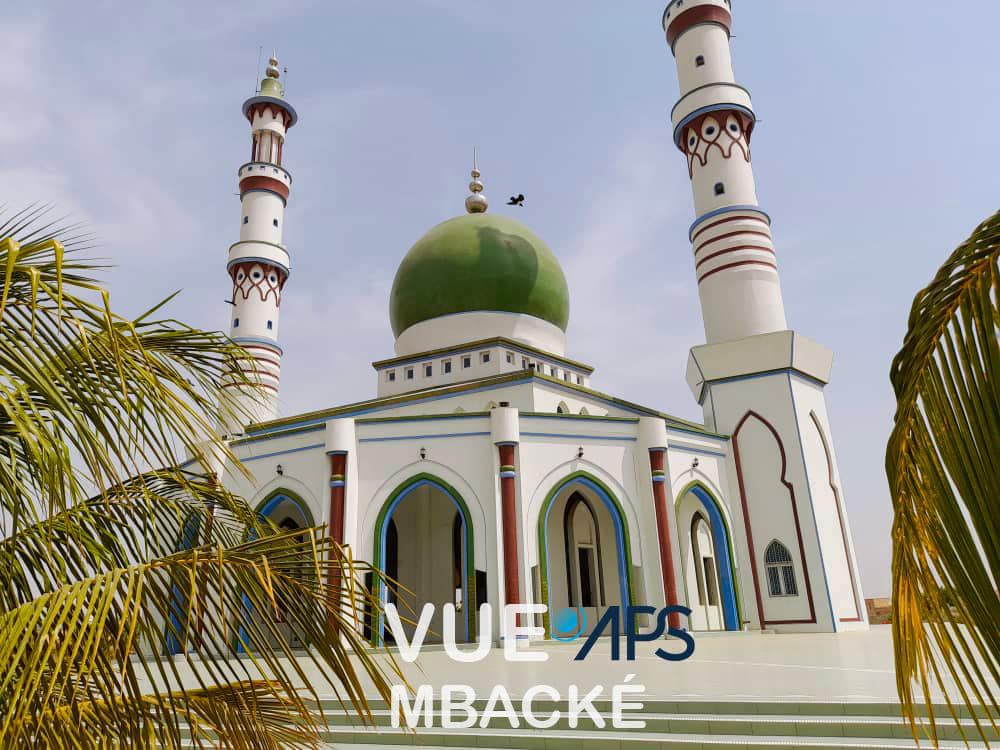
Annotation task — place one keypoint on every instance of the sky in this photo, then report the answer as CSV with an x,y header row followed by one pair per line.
x,y
874,153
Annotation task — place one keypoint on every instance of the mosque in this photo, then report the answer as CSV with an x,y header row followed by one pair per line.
x,y
488,466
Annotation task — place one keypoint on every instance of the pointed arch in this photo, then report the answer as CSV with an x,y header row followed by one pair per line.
x,y
623,552
468,548
722,536
563,408
783,479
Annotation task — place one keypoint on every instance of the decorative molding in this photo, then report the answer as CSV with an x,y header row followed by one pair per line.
x,y
749,531
858,617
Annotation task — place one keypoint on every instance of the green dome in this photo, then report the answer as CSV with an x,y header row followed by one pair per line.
x,y
478,262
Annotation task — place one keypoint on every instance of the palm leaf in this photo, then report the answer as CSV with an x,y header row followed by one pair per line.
x,y
110,552
944,477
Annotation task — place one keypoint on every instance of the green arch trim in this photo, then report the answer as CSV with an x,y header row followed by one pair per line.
x,y
729,539
294,497
543,554
470,559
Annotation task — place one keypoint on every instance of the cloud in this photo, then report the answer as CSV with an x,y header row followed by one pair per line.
x,y
634,310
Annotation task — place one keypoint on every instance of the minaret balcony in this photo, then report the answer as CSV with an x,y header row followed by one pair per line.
x,y
706,98
263,252
265,169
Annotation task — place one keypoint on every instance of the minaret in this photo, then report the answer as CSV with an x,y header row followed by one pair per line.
x,y
712,124
757,381
259,263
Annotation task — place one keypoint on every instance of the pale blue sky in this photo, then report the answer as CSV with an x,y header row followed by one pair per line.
x,y
875,154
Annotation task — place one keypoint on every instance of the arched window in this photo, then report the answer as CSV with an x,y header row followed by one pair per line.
x,y
780,573
562,408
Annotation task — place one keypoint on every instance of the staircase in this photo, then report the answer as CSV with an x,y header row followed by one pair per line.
x,y
673,725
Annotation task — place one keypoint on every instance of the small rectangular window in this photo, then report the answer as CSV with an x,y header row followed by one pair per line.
x,y
466,362
524,363
447,366
428,370
699,61
246,219
236,322
579,379
567,376
486,357
409,373
391,376
275,221
270,325
510,358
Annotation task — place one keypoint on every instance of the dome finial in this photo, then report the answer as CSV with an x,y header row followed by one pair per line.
x,y
476,203
270,85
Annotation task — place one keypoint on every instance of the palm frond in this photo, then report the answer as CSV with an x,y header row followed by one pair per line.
x,y
944,477
119,547
75,645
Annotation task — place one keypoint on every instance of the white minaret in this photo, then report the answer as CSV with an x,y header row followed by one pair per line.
x,y
712,123
258,264
756,380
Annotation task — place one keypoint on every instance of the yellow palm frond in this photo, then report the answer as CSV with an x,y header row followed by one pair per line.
x,y
113,557
943,465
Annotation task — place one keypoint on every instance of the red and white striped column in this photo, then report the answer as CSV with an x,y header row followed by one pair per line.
x,y
259,263
712,121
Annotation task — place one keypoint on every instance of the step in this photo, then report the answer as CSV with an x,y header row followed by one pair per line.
x,y
728,707
552,739
751,724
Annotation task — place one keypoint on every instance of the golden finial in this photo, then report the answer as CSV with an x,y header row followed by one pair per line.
x,y
476,203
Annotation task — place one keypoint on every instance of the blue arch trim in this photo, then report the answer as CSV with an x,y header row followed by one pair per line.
x,y
178,607
620,539
383,537
264,510
721,542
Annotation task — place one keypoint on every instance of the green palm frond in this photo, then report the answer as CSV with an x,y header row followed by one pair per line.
x,y
943,465
113,556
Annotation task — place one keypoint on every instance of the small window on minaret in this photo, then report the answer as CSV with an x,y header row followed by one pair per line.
x,y
719,188
270,325
246,219
275,222
699,61
236,322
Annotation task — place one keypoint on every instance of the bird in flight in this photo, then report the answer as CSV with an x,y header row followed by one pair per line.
x,y
516,200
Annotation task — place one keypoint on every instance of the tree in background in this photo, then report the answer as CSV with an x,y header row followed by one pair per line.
x,y
943,465
112,555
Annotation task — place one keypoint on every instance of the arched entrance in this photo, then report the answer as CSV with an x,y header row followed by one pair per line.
x,y
583,551
423,543
707,559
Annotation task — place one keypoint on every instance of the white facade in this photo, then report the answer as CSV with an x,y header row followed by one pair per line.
x,y
487,469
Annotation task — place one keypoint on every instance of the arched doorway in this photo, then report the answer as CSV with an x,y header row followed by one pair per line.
x,y
584,557
423,543
707,560
289,513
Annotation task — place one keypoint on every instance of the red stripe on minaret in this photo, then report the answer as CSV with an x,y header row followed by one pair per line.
x,y
735,249
258,182
698,15
727,235
738,263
